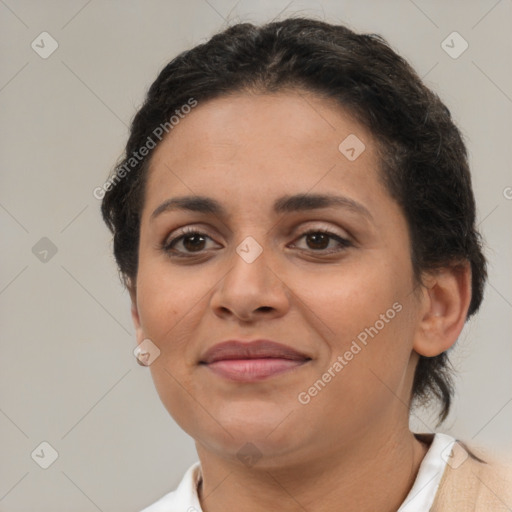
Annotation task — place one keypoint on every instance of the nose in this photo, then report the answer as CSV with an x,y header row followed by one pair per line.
x,y
251,290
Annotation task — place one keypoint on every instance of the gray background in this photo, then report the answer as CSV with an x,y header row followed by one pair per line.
x,y
67,372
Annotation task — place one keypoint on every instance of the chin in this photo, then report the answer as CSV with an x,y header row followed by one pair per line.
x,y
262,434
253,449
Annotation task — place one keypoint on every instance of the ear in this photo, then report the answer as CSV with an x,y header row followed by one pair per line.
x,y
446,298
139,333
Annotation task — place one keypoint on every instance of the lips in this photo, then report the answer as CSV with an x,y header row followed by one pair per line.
x,y
250,361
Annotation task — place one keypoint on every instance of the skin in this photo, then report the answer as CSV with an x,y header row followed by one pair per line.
x,y
350,444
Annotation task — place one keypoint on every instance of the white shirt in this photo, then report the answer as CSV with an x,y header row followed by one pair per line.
x,y
419,499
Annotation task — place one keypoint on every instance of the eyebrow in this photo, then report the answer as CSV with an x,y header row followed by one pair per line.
x,y
285,204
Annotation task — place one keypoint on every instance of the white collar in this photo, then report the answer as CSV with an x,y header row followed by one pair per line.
x,y
423,492
184,498
419,499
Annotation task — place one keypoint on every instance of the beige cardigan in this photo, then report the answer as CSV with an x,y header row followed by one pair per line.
x,y
474,481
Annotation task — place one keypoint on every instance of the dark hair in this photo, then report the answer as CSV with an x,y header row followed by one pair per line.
x,y
424,160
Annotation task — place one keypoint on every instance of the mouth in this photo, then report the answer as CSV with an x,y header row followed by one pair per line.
x,y
252,361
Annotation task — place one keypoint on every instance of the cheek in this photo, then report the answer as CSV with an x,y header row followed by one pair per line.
x,y
352,297
165,300
368,315
170,309
372,317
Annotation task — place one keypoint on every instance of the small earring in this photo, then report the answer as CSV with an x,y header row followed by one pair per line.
x,y
139,362
142,356
146,352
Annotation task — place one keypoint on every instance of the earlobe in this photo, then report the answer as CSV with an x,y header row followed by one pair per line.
x,y
446,298
139,334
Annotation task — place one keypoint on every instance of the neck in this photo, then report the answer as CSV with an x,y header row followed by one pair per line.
x,y
371,473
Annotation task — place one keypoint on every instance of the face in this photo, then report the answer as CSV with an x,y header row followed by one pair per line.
x,y
332,281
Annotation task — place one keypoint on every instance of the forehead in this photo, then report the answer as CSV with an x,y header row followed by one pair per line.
x,y
287,118
247,145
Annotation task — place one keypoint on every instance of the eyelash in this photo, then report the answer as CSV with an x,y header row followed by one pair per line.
x,y
167,245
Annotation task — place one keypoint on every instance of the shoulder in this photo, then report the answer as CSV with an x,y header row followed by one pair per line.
x,y
184,498
474,480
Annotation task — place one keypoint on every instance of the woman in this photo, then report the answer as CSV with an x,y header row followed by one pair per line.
x,y
294,220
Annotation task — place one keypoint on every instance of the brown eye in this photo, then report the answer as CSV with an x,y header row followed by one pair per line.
x,y
318,240
187,243
193,242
